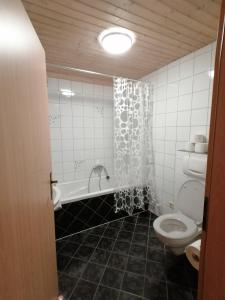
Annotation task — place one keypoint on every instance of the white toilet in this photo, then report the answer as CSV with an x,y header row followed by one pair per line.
x,y
177,230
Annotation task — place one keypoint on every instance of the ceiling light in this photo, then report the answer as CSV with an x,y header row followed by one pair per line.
x,y
67,92
116,40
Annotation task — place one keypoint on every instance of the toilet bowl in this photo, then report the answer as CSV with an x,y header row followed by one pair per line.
x,y
177,230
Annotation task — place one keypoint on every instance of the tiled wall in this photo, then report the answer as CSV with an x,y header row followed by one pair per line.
x,y
182,105
85,214
81,127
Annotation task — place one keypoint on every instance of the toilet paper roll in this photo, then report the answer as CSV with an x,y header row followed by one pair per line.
x,y
201,147
193,253
190,147
198,138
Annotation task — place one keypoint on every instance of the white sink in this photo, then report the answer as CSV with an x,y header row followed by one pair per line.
x,y
56,196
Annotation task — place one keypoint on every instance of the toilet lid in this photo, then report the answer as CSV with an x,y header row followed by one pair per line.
x,y
190,200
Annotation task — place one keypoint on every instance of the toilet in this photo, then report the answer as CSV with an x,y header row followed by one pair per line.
x,y
177,230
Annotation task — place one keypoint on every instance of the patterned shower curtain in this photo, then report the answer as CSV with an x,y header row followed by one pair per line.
x,y
133,146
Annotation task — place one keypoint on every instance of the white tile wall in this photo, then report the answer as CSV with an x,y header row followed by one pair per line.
x,y
182,105
81,128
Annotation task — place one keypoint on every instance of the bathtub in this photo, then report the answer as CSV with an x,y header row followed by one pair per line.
x,y
78,190
80,210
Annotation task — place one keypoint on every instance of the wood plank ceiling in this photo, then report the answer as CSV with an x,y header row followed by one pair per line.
x,y
165,30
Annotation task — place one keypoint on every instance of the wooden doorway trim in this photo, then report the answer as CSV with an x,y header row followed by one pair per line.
x,y
212,262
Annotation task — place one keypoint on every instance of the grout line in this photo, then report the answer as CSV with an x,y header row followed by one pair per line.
x,y
164,143
87,262
111,251
146,256
82,231
60,129
73,290
125,269
73,134
107,263
118,290
81,244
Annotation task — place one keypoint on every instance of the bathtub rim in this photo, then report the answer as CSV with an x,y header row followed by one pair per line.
x,y
87,195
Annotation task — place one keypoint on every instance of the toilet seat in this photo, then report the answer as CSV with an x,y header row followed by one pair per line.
x,y
175,226
177,230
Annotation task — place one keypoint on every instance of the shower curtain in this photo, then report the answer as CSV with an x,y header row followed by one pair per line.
x,y
133,146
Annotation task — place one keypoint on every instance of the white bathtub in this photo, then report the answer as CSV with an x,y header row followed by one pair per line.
x,y
78,190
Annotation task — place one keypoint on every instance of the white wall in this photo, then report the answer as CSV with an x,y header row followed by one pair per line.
x,y
182,105
81,128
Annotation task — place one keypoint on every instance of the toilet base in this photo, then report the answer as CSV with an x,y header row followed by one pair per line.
x,y
177,250
176,247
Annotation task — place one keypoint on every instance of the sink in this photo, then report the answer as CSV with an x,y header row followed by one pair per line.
x,y
56,195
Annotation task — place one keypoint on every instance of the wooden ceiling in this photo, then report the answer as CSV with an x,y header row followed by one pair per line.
x,y
165,30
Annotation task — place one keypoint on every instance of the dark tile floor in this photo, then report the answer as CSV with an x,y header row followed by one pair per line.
x,y
123,260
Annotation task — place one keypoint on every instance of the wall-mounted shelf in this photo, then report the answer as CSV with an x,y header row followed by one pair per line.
x,y
183,150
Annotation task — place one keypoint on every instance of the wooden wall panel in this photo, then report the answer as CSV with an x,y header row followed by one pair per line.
x,y
165,30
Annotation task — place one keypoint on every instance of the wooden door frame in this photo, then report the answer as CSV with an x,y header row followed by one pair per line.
x,y
215,127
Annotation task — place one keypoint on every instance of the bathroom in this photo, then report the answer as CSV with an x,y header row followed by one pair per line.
x,y
124,132
182,93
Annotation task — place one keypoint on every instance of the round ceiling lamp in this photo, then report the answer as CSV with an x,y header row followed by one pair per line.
x,y
116,40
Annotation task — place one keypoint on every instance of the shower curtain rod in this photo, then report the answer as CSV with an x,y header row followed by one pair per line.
x,y
85,71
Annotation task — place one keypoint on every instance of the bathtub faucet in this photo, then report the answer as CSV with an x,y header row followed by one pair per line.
x,y
98,169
